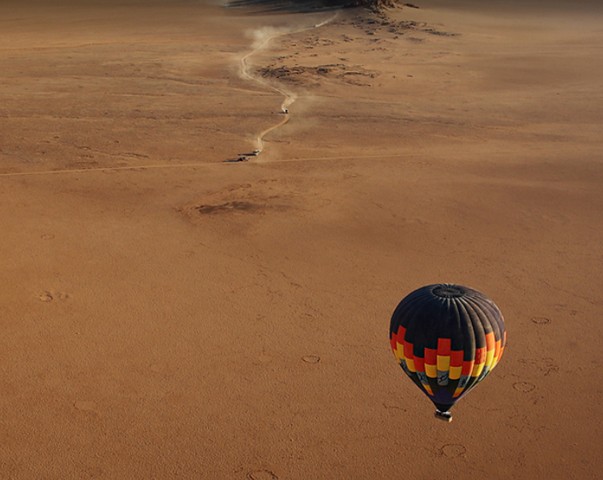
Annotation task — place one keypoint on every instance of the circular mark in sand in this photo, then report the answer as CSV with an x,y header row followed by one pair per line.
x,y
524,387
47,236
453,450
85,405
541,320
46,297
311,358
261,475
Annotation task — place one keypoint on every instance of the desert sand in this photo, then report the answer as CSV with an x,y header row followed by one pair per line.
x,y
167,313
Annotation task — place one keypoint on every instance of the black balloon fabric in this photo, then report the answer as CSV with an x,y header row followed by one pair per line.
x,y
447,338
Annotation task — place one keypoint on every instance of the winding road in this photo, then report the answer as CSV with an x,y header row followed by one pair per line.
x,y
263,37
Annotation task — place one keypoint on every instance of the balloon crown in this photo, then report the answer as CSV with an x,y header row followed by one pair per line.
x,y
449,291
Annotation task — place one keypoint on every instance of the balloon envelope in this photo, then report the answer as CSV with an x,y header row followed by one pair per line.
x,y
447,338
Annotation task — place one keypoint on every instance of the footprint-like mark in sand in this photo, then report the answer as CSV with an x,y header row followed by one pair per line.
x,y
524,387
262,475
541,320
50,296
389,406
453,450
85,406
547,366
264,358
311,358
155,368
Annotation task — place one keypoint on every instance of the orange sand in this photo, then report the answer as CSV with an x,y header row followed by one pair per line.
x,y
169,315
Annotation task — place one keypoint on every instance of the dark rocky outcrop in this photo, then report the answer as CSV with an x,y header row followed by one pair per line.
x,y
312,5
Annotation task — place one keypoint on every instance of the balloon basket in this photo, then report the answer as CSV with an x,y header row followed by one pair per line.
x,y
444,416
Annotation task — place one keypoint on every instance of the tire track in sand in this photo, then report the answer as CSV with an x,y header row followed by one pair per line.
x,y
205,165
263,36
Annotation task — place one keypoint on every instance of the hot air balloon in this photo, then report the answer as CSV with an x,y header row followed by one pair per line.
x,y
447,338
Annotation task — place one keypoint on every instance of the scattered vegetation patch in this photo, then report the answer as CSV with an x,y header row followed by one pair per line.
x,y
380,23
354,75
